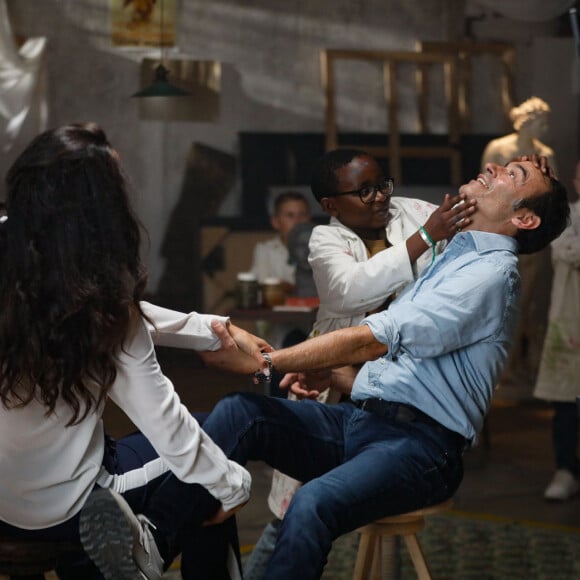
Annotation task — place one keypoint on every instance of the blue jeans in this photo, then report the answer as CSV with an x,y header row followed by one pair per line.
x,y
356,467
259,557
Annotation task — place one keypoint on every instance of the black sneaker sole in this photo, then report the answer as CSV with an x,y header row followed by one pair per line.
x,y
106,537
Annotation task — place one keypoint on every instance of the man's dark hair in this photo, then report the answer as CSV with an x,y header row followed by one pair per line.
x,y
553,210
287,196
323,181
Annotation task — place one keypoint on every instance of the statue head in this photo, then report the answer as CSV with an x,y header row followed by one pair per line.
x,y
534,112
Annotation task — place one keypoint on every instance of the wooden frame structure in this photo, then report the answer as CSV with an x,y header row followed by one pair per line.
x,y
464,53
456,58
392,61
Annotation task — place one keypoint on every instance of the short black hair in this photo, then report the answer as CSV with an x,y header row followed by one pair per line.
x,y
323,181
553,210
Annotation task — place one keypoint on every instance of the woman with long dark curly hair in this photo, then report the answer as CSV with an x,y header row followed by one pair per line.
x,y
73,333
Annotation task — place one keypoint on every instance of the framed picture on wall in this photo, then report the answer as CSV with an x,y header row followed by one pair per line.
x,y
143,22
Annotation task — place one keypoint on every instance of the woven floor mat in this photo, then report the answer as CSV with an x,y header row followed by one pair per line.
x,y
458,547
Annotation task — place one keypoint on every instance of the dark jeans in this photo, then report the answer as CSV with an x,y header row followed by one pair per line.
x,y
177,509
356,467
565,437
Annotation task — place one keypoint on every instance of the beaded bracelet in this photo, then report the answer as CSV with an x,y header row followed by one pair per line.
x,y
428,240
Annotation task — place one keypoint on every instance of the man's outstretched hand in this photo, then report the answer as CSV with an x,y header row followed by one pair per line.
x,y
240,352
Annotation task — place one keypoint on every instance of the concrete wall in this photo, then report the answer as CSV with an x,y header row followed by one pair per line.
x,y
271,77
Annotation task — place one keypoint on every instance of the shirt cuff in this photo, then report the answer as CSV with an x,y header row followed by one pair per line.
x,y
175,329
385,331
241,480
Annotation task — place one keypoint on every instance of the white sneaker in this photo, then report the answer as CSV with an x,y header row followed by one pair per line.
x,y
562,487
118,542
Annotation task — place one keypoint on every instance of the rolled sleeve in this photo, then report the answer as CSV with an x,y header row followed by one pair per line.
x,y
439,319
386,331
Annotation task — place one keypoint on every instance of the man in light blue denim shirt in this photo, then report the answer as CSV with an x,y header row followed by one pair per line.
x,y
435,355
448,335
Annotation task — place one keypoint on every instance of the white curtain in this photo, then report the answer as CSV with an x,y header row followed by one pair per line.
x,y
526,10
23,102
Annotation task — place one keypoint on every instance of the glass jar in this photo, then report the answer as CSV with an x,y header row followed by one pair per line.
x,y
247,290
272,292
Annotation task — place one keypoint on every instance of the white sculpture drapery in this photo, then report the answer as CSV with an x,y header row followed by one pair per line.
x,y
23,103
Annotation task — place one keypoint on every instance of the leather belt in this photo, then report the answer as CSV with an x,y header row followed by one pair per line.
x,y
407,414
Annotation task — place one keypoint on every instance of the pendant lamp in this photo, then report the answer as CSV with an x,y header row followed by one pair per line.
x,y
161,87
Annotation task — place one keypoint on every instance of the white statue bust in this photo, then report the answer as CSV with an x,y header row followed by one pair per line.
x,y
530,122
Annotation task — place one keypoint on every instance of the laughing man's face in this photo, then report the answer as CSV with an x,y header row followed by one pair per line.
x,y
497,191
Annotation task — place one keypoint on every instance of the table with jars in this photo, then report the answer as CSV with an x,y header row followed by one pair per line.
x,y
267,304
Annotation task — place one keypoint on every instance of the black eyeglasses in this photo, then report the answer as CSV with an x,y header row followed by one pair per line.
x,y
369,193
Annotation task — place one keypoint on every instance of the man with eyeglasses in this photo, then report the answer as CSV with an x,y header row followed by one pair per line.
x,y
431,362
372,248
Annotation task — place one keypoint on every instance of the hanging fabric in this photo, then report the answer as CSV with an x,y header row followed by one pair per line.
x,y
23,98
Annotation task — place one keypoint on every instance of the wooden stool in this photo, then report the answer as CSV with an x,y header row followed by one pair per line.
x,y
370,555
29,560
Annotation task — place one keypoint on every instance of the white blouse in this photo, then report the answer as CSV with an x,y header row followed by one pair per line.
x,y
47,470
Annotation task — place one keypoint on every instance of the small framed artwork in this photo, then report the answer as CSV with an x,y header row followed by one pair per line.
x,y
143,22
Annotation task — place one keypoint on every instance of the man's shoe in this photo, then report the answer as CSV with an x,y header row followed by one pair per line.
x,y
562,487
119,542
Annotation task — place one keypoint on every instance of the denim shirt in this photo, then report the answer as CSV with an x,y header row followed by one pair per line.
x,y
448,334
